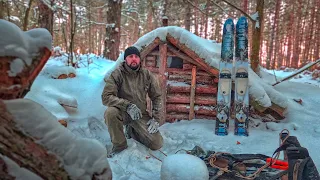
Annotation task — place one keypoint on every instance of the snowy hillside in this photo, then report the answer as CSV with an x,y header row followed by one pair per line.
x,y
135,162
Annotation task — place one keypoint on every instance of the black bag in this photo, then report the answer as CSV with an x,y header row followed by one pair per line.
x,y
301,166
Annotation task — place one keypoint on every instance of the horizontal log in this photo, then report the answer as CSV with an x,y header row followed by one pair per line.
x,y
181,71
151,63
186,89
150,58
188,66
153,69
187,78
172,117
184,108
156,53
185,99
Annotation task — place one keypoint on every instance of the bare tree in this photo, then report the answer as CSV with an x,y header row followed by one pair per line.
x,y
187,20
112,40
46,15
26,17
2,8
150,15
296,46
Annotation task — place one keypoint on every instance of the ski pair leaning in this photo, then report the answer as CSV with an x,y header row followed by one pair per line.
x,y
241,95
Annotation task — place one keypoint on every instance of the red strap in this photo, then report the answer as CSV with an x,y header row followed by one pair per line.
x,y
279,167
277,162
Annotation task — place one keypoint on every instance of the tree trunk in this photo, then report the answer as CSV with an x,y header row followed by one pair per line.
x,y
26,17
72,33
277,34
24,151
290,30
187,20
270,60
296,47
45,16
196,32
8,12
150,16
206,19
112,40
135,22
256,37
309,38
100,32
2,8
217,31
89,26
245,6
316,54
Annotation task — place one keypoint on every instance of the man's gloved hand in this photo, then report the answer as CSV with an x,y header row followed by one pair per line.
x,y
134,112
153,126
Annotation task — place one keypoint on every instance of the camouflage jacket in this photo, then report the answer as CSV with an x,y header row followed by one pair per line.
x,y
125,86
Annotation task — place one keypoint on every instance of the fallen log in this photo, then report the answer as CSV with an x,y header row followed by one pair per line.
x,y
298,72
23,150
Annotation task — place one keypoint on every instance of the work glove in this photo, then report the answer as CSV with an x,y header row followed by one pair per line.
x,y
134,112
153,126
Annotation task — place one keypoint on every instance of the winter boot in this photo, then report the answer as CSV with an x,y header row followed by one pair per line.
x,y
116,150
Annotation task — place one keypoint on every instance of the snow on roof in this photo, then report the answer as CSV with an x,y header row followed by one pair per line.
x,y
24,45
80,157
207,50
210,51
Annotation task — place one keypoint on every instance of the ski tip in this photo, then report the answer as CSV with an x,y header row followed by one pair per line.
x,y
242,19
229,21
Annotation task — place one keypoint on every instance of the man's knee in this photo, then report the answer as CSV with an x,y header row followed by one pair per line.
x,y
111,113
157,142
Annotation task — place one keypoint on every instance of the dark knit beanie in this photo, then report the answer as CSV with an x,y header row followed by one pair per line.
x,y
131,50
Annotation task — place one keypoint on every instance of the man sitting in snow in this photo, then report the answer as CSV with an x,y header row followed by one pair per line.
x,y
125,95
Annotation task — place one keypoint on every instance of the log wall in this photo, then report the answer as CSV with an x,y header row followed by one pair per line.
x,y
190,92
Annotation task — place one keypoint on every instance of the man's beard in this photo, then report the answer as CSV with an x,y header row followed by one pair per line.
x,y
134,66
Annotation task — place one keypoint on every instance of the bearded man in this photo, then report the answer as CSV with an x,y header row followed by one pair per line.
x,y
125,95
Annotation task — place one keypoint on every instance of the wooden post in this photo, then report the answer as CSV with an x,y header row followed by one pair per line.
x,y
163,77
192,92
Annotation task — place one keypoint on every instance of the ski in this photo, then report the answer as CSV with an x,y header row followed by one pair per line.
x,y
225,81
241,94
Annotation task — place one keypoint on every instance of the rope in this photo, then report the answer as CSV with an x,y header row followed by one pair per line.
x,y
213,159
149,150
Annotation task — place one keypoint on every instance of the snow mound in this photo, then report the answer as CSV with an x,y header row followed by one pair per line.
x,y
55,71
263,93
24,45
183,166
81,157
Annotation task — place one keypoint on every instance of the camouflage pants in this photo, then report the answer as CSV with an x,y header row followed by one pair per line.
x,y
115,119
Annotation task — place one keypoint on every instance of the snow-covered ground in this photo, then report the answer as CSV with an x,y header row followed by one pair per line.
x,y
84,91
302,78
